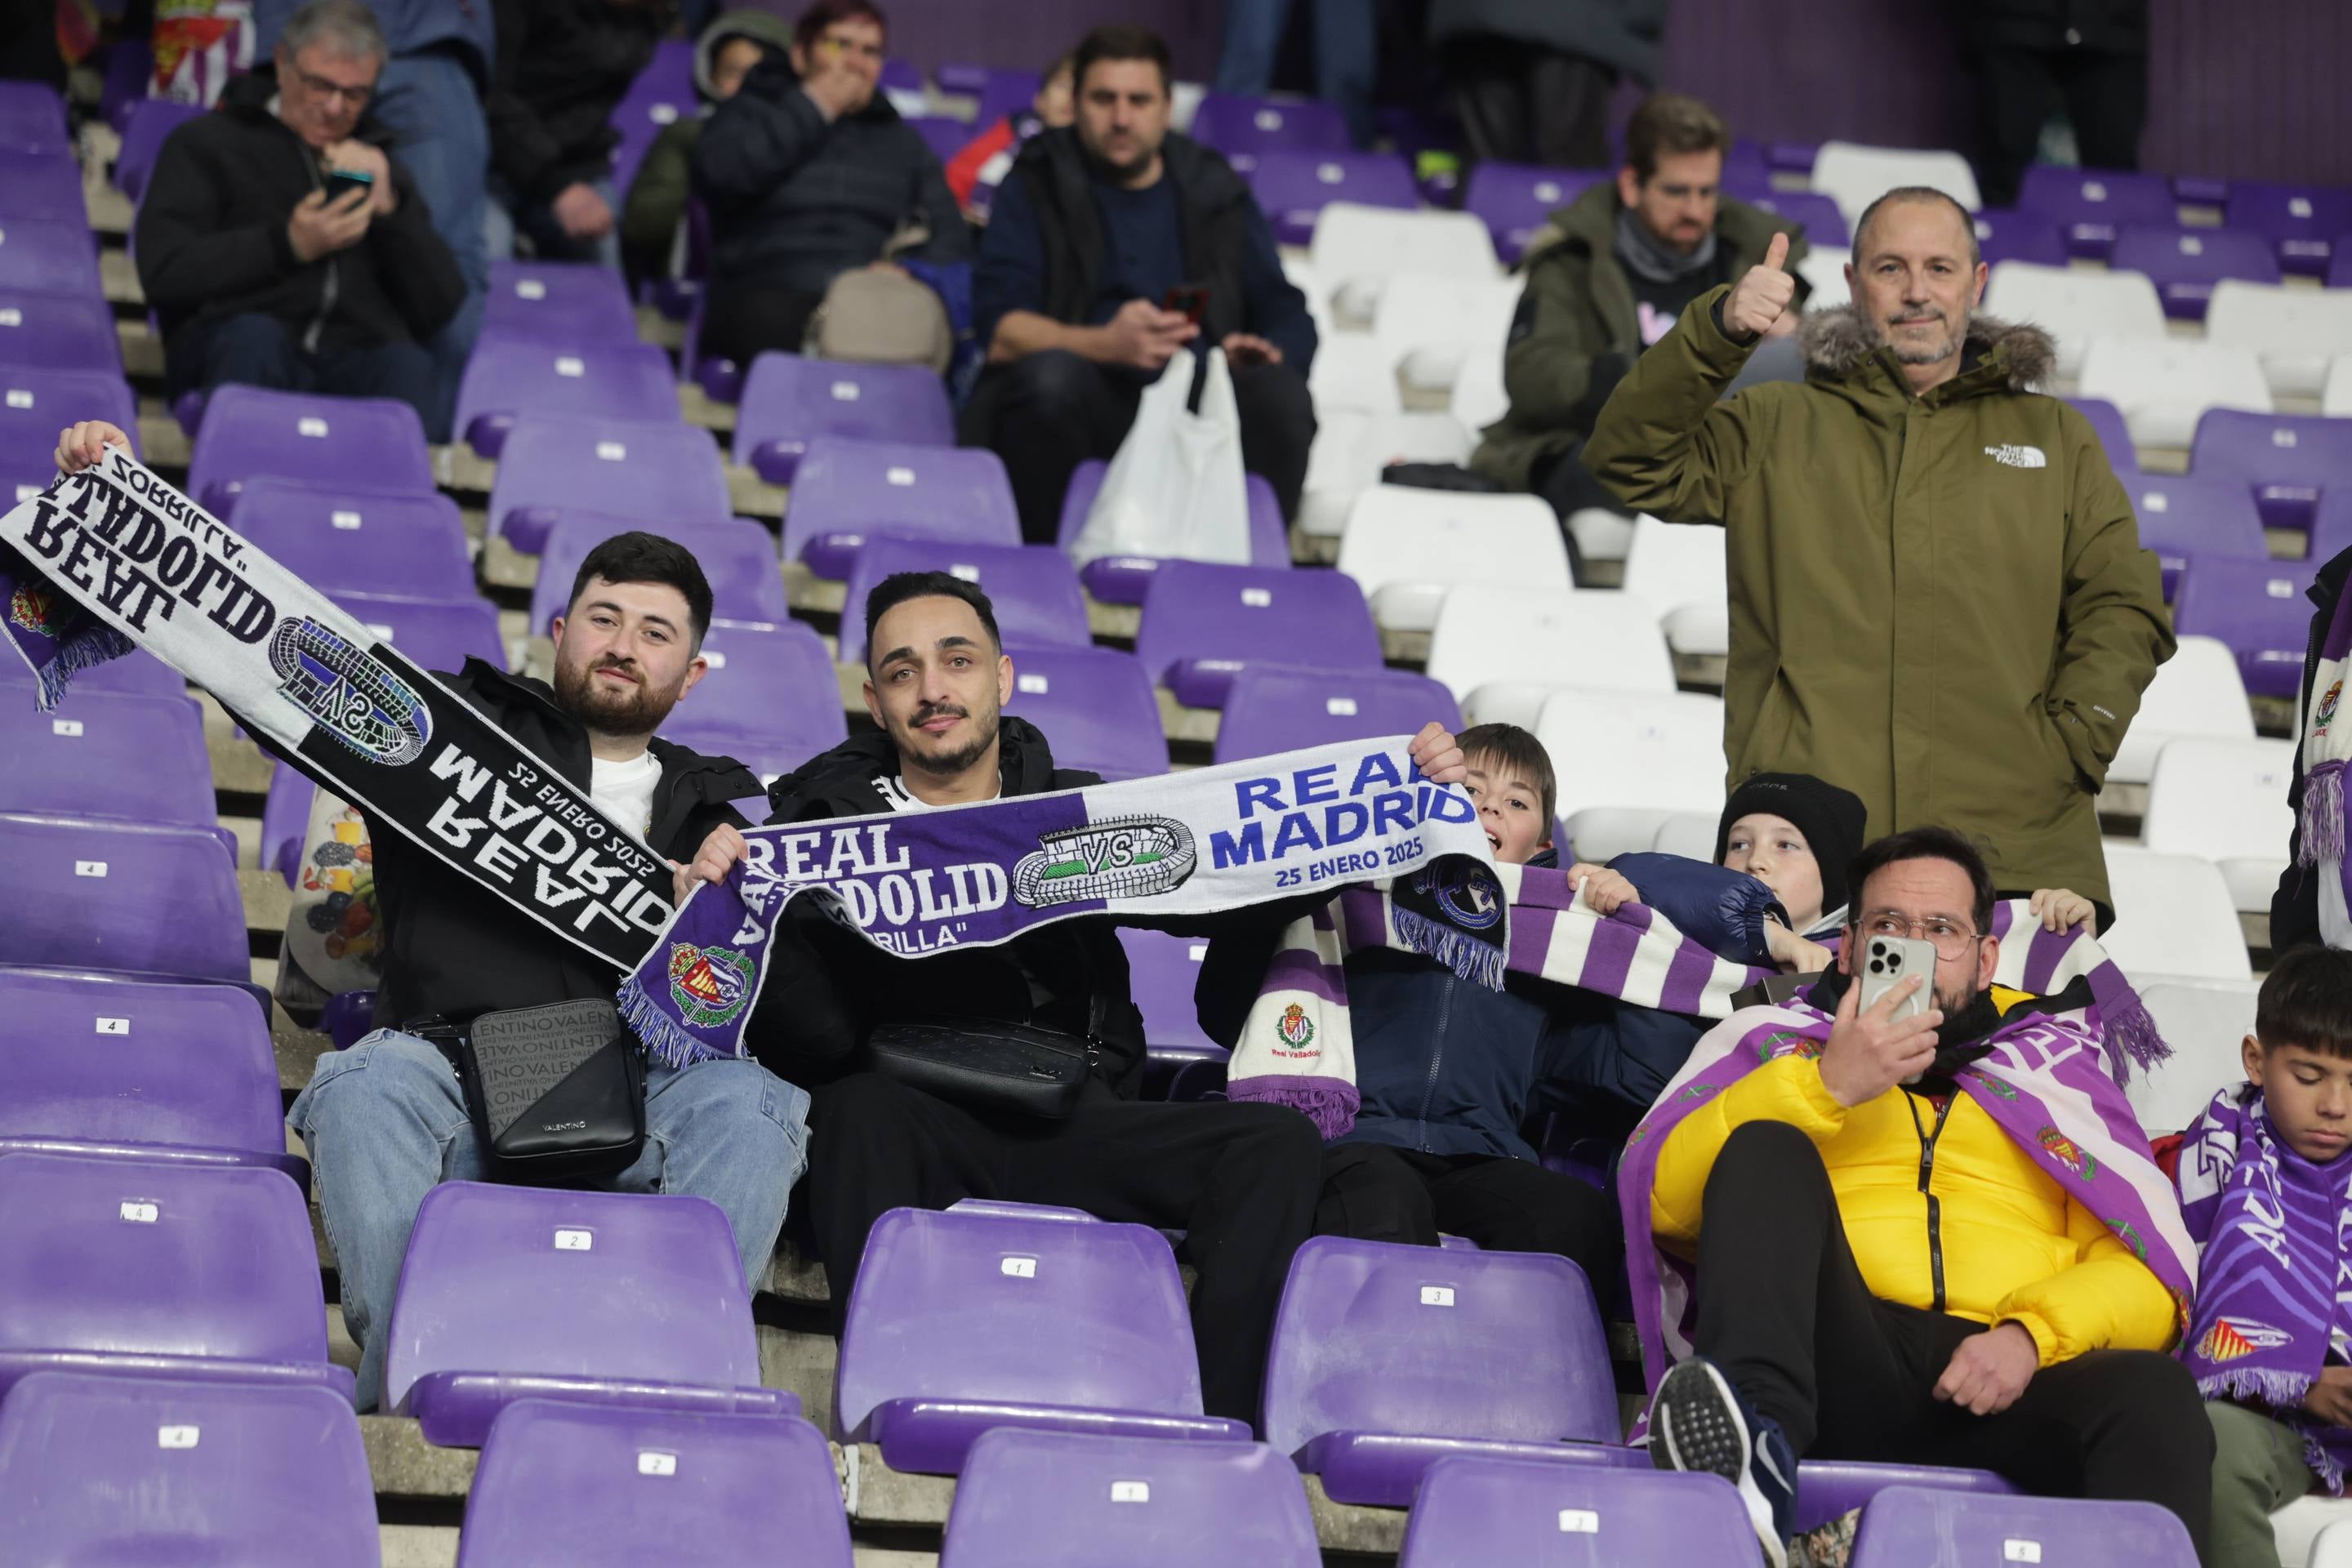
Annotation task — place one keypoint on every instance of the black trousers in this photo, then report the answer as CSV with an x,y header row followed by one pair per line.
x,y
1240,1178
1373,1192
1783,1311
1046,413
2105,96
744,320
1523,104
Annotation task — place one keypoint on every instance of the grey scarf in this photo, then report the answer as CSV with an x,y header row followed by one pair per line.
x,y
1646,257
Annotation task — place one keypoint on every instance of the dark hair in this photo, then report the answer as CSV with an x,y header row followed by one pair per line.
x,y
2306,1000
640,557
1916,193
1517,752
1119,41
1671,123
827,14
900,587
1922,844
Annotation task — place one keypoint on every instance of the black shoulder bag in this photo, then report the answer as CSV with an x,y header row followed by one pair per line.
x,y
986,1066
557,1092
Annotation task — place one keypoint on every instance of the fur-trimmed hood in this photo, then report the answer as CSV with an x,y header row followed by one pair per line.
x,y
1837,341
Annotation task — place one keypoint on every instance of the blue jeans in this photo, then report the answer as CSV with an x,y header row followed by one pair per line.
x,y
385,1122
262,351
1346,41
444,143
507,214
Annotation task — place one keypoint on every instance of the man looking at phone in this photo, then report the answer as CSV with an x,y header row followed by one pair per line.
x,y
280,246
1938,597
1884,1271
1113,244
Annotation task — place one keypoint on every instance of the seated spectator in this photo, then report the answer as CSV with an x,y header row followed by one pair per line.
x,y
723,56
808,173
987,158
2263,1182
257,274
2310,905
562,66
1075,293
1882,1267
1240,1178
1606,278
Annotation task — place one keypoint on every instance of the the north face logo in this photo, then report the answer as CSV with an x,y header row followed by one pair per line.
x,y
2017,456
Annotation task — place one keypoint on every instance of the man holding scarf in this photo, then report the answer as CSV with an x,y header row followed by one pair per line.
x,y
1937,1239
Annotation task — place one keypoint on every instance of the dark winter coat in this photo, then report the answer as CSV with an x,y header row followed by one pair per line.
x,y
1623,35
2294,907
562,67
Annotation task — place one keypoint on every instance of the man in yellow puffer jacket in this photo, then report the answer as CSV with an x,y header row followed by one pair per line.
x,y
1887,1274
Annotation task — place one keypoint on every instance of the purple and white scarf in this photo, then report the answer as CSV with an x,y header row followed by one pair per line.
x,y
2326,751
2275,1231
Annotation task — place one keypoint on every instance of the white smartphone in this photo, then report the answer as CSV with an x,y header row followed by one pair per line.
x,y
1887,962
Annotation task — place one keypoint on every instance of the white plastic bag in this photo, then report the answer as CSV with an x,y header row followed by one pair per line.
x,y
1175,488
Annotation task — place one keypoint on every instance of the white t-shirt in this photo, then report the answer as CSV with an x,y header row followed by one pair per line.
x,y
624,791
894,790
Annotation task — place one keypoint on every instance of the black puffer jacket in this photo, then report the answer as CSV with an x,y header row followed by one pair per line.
x,y
2294,907
562,65
796,200
827,989
212,242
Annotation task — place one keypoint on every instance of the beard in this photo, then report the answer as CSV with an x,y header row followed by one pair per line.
x,y
1931,353
943,765
609,710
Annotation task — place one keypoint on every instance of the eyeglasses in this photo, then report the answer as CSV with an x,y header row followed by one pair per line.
x,y
320,87
1950,941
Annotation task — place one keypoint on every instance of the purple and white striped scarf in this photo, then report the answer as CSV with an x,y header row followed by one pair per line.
x,y
2276,1232
2326,751
1297,1048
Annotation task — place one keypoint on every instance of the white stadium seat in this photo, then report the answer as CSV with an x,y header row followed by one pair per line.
x,y
2197,691
1634,748
1678,570
1431,323
1358,249
2316,1530
2297,332
1502,650
1350,449
2336,397
1601,832
2204,1025
1304,278
1825,270
1406,547
2225,800
1479,398
2163,385
1690,834
1854,176
2174,918
2074,306
1601,534
1353,371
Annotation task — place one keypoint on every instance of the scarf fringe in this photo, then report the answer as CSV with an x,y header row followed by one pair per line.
x,y
663,1037
93,644
1327,1102
2132,1038
1470,957
2322,836
2274,1386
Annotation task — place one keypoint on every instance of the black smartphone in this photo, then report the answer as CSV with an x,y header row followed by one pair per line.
x,y
1189,300
342,181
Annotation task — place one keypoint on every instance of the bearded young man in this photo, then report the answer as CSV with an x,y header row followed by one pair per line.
x,y
1938,596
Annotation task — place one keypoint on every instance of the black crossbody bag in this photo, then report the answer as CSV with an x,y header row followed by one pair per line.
x,y
557,1092
986,1066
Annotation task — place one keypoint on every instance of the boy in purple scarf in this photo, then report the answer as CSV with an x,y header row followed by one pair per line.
x,y
2266,1188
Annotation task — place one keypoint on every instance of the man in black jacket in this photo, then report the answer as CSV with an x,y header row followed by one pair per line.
x,y
808,173
1113,244
256,275
562,66
1242,1179
384,1122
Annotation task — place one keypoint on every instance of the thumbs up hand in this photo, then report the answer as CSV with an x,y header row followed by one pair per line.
x,y
1761,297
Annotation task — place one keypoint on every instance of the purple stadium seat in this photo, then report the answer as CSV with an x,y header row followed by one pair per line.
x,y
33,119
1127,579
507,376
1823,219
1572,1516
1294,187
1386,1358
1203,623
1002,94
130,72
846,488
41,185
2019,236
348,539
2301,221
662,94
2185,263
1161,968
138,672
2180,516
2339,268
900,76
2090,206
59,332
2114,434
1746,170
35,405
597,1487
1063,1499
285,819
2288,458
150,1268
1096,707
135,1070
1795,157
770,700
437,634
1032,585
121,1471
2258,608
120,899
564,301
2200,190
150,121
944,136
964,80
2331,524
1907,1527
371,443
787,399
105,756
1245,128
657,472
737,554
635,1300
1827,1489
965,1320
1517,199
48,256
1271,708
